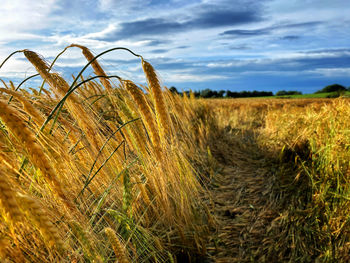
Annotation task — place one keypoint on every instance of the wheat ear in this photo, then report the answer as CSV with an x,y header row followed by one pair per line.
x,y
157,94
137,129
117,246
84,237
99,72
5,245
41,220
29,108
60,87
95,65
10,117
145,110
7,198
57,83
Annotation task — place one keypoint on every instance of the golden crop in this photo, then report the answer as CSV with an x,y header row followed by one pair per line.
x,y
112,160
106,170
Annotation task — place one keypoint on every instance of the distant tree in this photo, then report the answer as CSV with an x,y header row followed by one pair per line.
x,y
281,93
267,93
290,92
230,94
173,90
197,94
332,88
246,94
214,94
206,93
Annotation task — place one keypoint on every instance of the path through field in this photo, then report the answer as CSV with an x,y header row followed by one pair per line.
x,y
242,201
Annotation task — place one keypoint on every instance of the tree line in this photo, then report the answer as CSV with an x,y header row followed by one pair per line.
x,y
333,88
208,93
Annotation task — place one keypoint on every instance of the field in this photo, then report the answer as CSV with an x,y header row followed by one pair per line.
x,y
283,192
104,170
318,95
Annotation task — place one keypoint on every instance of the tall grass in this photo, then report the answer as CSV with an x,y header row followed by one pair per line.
x,y
104,177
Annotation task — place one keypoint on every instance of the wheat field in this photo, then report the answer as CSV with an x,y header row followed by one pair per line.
x,y
105,170
98,171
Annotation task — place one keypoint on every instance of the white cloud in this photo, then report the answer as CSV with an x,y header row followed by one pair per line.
x,y
123,8
316,9
25,15
18,36
330,72
102,34
178,77
236,63
47,26
15,68
270,73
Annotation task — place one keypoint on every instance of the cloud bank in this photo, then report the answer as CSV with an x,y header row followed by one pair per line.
x,y
220,44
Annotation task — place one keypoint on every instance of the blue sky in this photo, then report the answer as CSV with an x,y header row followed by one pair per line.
x,y
233,45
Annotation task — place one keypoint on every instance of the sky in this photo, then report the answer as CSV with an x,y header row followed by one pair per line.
x,y
235,45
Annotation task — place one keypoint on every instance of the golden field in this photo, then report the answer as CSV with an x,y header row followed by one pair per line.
x,y
104,170
305,148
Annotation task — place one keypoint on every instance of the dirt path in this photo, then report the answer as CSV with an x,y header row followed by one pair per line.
x,y
242,202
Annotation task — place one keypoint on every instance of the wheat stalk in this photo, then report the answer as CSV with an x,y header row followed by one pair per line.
x,y
117,246
95,65
136,130
41,220
98,71
7,198
30,109
5,245
61,87
10,117
56,82
84,238
145,110
157,94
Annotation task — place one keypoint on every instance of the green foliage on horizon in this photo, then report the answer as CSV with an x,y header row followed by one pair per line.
x,y
330,91
332,88
291,92
208,93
